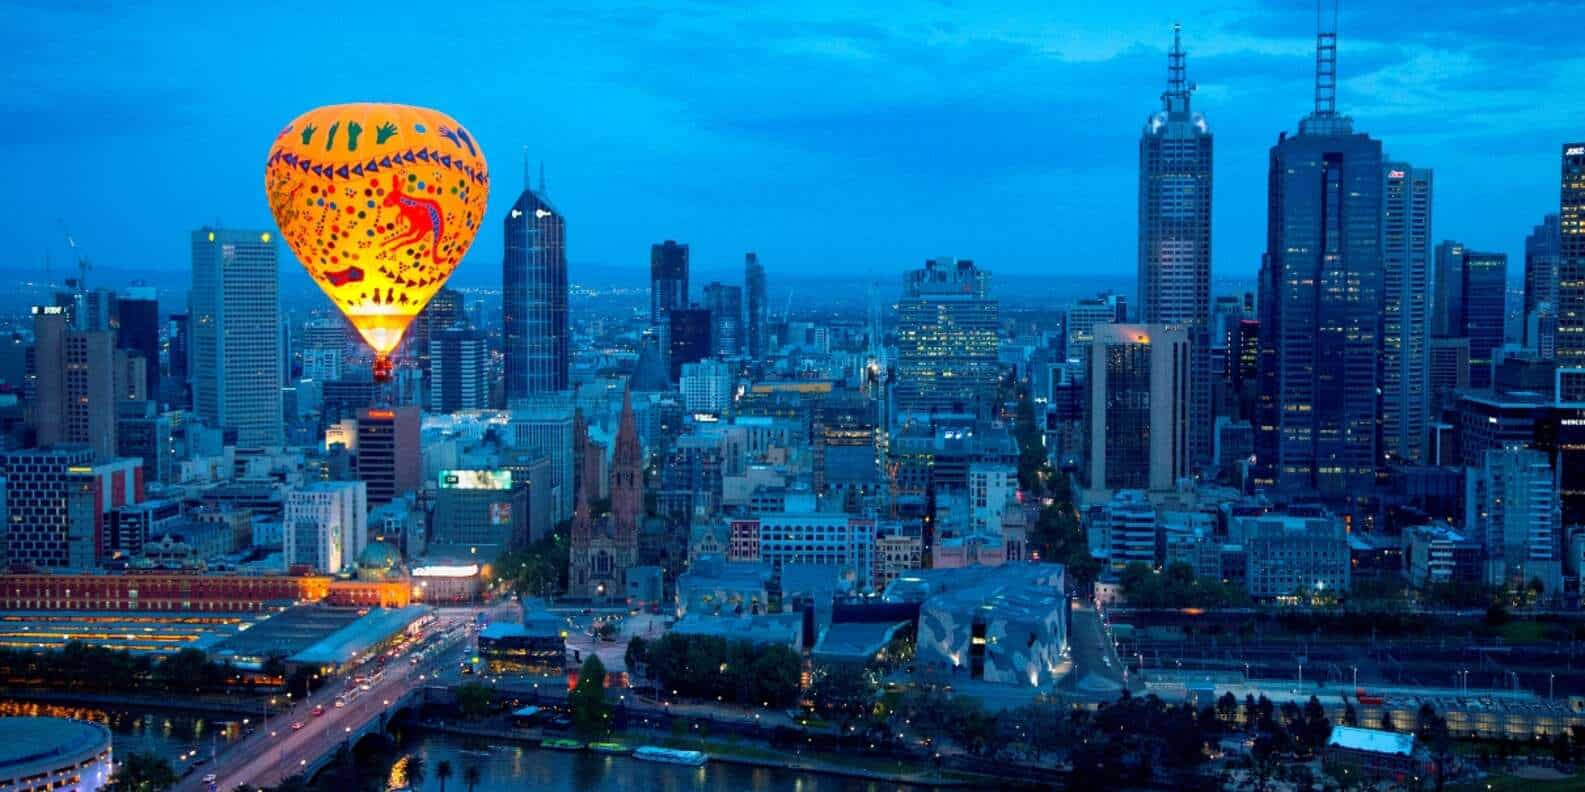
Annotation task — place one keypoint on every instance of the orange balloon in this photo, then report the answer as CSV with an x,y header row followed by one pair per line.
x,y
379,202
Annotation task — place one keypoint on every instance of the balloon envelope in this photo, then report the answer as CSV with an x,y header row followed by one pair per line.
x,y
379,202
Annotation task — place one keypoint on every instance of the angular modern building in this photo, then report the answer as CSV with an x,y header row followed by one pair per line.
x,y
1175,234
235,315
1406,310
1321,303
1003,624
1447,305
534,297
947,341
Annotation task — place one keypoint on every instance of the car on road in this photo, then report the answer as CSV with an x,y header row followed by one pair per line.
x,y
341,701
297,725
319,709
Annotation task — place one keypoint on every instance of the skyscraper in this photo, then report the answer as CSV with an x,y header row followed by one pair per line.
x,y
688,334
1512,509
947,339
534,301
389,452
325,525
725,303
1571,258
755,327
1406,310
1485,310
1138,381
1320,293
459,372
1542,255
79,383
138,330
668,280
1447,307
236,316
1175,234
444,312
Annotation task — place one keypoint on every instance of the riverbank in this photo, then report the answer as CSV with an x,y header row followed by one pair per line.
x,y
208,706
735,753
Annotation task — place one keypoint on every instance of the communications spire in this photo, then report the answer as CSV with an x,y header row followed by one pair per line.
x,y
1176,97
1325,61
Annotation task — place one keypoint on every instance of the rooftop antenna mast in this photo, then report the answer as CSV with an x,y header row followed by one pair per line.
x,y
526,180
1176,99
1325,61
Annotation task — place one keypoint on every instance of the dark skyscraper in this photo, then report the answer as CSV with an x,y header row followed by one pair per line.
x,y
725,304
1320,294
177,392
668,280
1175,234
534,302
1571,259
1485,291
688,336
754,293
1447,308
139,331
1542,253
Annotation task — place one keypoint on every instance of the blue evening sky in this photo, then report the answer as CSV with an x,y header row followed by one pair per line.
x,y
832,137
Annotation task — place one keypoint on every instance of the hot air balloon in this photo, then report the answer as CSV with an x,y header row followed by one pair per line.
x,y
379,202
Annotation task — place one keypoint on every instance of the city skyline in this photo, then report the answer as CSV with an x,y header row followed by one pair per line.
x,y
1022,125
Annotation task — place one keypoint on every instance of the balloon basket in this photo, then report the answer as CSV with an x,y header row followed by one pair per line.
x,y
382,368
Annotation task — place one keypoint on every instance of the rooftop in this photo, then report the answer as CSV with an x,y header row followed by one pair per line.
x,y
26,742
346,643
778,628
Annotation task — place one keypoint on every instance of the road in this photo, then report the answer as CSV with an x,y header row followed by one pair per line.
x,y
276,750
1097,668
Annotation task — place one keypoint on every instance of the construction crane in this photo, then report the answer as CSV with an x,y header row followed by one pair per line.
x,y
79,283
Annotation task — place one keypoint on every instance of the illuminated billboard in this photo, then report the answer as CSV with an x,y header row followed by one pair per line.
x,y
476,479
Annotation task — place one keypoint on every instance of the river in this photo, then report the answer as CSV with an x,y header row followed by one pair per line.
x,y
502,765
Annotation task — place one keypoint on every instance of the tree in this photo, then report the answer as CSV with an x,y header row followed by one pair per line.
x,y
473,699
637,654
591,715
1227,707
143,772
292,783
1263,761
470,776
842,693
443,773
414,770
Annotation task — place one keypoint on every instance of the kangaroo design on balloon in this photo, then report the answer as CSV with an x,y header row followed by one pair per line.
x,y
423,219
